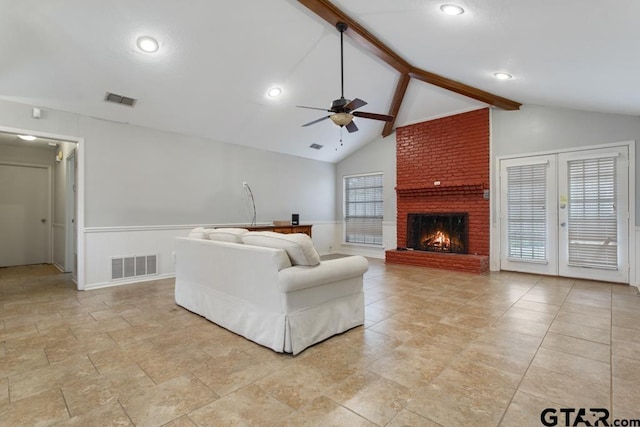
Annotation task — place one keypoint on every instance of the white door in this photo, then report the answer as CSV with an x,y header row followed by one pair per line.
x,y
594,214
567,214
528,214
24,215
70,221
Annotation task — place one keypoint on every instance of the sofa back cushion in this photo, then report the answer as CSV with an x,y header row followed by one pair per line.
x,y
198,233
298,246
233,235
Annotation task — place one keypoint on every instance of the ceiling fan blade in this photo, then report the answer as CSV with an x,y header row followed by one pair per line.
x,y
374,116
313,108
316,121
351,127
356,103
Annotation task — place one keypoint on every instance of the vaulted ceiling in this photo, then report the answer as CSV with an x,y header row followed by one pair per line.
x,y
217,60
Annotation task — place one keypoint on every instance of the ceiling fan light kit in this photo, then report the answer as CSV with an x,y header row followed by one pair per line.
x,y
343,109
341,119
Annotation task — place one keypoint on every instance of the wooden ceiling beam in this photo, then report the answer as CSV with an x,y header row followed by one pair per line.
x,y
327,11
398,96
330,13
464,89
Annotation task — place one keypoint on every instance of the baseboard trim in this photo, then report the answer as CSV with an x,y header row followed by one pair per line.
x,y
128,282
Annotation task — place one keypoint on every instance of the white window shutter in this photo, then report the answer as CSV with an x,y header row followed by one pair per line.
x,y
526,212
363,209
592,216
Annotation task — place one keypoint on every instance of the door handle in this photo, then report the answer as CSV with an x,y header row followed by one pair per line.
x,y
43,220
563,224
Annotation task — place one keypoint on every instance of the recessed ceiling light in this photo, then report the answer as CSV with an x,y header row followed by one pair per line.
x,y
451,9
27,137
502,76
274,92
147,44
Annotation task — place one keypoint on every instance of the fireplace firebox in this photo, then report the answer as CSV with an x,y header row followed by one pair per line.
x,y
438,232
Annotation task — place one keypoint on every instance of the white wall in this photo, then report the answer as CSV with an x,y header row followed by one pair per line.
x,y
531,129
138,176
144,187
536,128
377,156
35,155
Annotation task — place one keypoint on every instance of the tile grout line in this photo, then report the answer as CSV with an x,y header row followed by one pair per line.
x,y
125,411
66,405
611,354
538,349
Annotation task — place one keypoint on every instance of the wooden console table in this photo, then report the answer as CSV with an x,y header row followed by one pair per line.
x,y
286,229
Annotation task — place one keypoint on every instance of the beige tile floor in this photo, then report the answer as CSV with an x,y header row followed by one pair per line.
x,y
437,348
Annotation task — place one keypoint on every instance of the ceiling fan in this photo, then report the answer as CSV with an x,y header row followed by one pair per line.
x,y
343,110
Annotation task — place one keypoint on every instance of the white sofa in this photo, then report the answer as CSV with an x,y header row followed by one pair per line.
x,y
256,292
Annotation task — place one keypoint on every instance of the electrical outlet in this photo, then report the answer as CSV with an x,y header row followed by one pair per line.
x,y
244,184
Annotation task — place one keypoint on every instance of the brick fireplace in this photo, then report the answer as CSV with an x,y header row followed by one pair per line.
x,y
443,168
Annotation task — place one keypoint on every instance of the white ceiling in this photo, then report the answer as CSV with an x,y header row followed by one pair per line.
x,y
218,58
9,139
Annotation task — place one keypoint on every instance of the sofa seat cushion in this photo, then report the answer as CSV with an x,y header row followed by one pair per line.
x,y
298,246
228,234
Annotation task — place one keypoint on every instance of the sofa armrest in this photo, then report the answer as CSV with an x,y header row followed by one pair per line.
x,y
301,277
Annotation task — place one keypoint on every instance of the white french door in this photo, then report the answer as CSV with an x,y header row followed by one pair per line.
x,y
594,214
566,214
528,215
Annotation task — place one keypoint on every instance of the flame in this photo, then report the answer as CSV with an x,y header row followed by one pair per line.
x,y
438,240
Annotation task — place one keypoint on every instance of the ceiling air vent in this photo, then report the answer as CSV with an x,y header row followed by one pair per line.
x,y
316,146
119,99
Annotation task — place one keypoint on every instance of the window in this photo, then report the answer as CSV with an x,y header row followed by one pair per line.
x,y
363,209
593,218
526,212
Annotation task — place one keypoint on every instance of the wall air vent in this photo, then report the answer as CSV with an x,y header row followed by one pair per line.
x,y
316,146
119,99
126,267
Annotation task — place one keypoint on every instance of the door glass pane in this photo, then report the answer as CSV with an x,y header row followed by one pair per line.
x,y
526,212
592,217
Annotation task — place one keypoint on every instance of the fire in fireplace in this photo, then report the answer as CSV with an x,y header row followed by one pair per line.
x,y
438,232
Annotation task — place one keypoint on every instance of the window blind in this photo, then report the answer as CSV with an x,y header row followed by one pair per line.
x,y
592,217
363,209
527,213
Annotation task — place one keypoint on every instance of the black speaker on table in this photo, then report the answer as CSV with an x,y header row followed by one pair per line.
x,y
295,219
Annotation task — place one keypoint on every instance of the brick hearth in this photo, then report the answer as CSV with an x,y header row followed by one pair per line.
x,y
458,262
443,166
